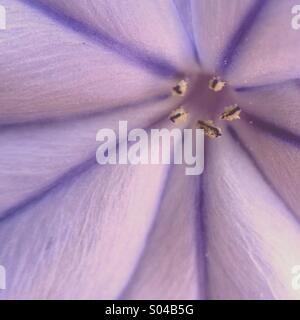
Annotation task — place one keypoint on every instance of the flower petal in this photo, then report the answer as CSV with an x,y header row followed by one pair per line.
x,y
270,130
270,52
184,9
173,265
247,259
215,24
276,153
152,26
73,242
35,157
277,103
49,70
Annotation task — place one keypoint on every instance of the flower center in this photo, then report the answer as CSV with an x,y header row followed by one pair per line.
x,y
205,101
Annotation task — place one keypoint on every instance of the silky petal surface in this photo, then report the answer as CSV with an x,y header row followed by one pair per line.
x,y
172,266
278,103
150,27
252,237
72,67
277,157
36,156
270,131
215,24
51,71
78,231
270,50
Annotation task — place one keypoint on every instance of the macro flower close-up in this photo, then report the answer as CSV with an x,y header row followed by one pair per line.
x,y
72,228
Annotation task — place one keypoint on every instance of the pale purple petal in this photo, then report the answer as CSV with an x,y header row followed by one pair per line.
x,y
73,241
73,229
277,103
172,266
276,154
36,156
184,11
270,51
152,28
51,70
217,25
270,131
252,237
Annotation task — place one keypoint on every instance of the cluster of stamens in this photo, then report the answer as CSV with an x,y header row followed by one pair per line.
x,y
180,115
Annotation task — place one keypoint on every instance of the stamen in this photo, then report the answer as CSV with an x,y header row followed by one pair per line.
x,y
210,129
179,115
216,84
231,113
180,89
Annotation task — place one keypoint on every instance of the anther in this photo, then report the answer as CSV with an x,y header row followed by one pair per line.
x,y
210,129
179,115
180,89
231,113
216,84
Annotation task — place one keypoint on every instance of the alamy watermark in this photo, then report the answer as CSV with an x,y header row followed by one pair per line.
x,y
2,18
296,277
2,278
156,146
296,17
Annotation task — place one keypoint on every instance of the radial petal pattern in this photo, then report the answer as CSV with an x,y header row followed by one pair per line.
x,y
51,69
78,231
70,228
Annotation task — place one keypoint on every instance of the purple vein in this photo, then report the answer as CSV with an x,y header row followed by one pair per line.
x,y
127,288
201,241
274,130
184,18
245,27
64,179
264,176
132,53
268,86
145,103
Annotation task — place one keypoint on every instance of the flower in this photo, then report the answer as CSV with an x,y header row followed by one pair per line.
x,y
70,229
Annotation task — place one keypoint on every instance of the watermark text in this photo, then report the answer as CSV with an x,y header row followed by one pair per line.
x,y
2,18
296,277
156,146
296,17
2,278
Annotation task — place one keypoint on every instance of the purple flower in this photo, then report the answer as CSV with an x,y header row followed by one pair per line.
x,y
71,229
